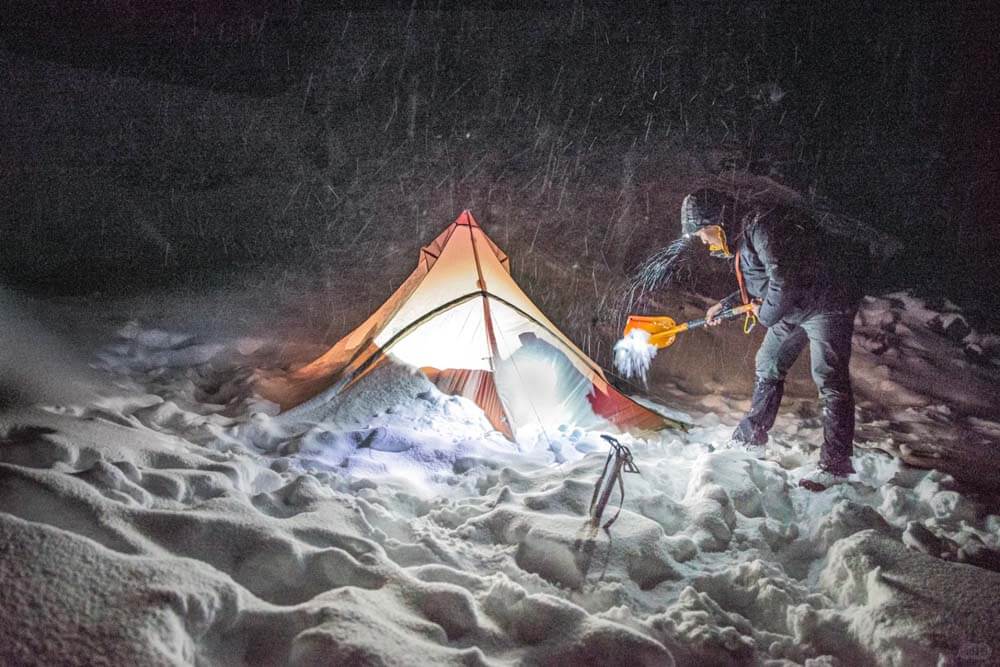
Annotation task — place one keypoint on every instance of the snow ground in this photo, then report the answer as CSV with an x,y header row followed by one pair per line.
x,y
173,518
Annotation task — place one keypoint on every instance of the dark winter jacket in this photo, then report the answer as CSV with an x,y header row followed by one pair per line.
x,y
793,266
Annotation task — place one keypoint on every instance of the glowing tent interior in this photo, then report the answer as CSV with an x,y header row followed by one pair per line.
x,y
462,320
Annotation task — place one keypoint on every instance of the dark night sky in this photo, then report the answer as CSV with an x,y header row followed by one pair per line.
x,y
884,110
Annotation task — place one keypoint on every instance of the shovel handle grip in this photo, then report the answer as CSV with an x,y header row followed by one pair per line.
x,y
724,315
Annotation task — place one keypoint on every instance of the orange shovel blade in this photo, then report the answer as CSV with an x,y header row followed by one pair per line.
x,y
653,325
661,330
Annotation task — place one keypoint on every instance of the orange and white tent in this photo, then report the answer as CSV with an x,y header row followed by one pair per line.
x,y
462,320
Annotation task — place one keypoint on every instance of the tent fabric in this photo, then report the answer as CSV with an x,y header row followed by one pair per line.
x,y
477,386
462,320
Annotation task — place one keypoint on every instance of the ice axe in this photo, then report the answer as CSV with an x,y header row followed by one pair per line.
x,y
663,330
619,461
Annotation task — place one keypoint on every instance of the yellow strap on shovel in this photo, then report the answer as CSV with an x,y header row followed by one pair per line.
x,y
663,330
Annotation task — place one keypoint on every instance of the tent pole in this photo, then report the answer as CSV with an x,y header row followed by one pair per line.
x,y
491,337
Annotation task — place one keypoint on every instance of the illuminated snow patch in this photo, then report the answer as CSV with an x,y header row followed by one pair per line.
x,y
634,354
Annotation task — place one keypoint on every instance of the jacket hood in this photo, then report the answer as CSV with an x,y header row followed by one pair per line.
x,y
709,207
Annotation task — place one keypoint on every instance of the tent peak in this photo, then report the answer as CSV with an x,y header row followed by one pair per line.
x,y
466,218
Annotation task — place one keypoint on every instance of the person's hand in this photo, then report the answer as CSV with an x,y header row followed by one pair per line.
x,y
755,308
712,314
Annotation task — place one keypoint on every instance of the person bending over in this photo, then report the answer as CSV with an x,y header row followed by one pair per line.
x,y
796,277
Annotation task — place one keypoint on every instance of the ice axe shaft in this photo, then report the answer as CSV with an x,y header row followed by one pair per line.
x,y
619,461
663,330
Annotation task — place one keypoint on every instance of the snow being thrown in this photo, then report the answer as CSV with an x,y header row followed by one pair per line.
x,y
634,355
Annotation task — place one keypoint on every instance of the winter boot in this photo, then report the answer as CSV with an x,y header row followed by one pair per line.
x,y
821,478
838,432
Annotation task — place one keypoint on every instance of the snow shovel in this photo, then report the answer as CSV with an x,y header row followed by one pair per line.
x,y
663,330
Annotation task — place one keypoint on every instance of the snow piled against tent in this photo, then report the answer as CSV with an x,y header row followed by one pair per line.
x,y
177,519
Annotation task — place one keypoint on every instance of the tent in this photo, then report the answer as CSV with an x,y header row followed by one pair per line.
x,y
462,320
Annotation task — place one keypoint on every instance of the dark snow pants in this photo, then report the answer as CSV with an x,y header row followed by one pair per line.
x,y
829,337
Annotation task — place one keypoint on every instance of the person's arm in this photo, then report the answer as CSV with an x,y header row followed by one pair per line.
x,y
730,301
777,298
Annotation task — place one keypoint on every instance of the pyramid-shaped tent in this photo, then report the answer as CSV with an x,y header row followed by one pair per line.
x,y
462,320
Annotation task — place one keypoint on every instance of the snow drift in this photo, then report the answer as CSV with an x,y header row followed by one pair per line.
x,y
180,520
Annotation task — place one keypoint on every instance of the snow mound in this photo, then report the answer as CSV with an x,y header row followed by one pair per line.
x,y
181,520
902,607
930,383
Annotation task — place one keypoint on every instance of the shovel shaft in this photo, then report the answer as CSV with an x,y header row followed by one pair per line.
x,y
724,315
663,330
